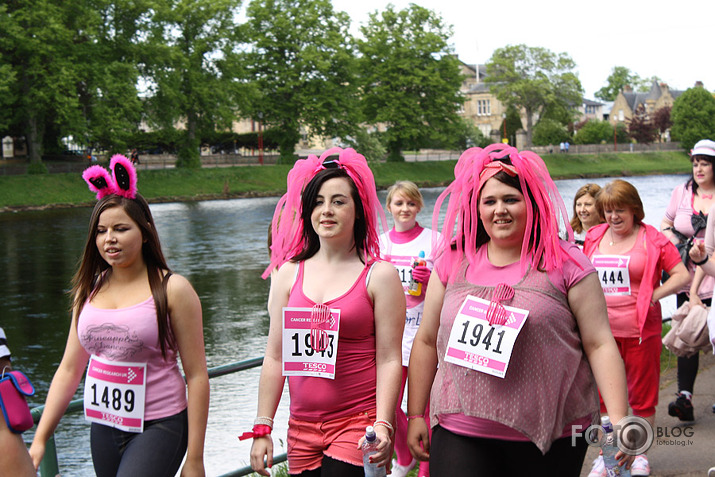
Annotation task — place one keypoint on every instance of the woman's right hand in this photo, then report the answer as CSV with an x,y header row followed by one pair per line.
x,y
418,439
697,252
37,452
262,447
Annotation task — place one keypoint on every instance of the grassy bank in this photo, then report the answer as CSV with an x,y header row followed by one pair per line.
x,y
68,189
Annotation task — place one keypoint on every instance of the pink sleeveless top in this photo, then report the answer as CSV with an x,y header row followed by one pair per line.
x,y
549,381
131,335
353,389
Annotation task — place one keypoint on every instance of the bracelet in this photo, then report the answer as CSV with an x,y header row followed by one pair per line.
x,y
385,424
416,416
259,430
263,420
703,262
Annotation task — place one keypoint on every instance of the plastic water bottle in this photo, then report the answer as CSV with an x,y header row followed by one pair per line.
x,y
609,451
369,447
415,287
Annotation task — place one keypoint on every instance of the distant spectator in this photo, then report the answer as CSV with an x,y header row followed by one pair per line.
x,y
135,157
562,146
566,146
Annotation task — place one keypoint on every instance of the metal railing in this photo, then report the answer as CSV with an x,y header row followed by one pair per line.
x,y
49,467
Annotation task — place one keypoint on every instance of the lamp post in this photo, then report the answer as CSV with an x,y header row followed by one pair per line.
x,y
505,140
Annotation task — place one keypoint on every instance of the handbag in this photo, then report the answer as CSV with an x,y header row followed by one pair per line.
x,y
14,387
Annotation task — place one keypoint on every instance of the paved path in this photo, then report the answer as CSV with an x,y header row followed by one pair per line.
x,y
692,452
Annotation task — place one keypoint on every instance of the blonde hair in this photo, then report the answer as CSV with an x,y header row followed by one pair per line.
x,y
620,193
587,189
407,188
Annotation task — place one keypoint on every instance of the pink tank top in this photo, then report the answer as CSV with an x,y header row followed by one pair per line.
x,y
131,335
353,389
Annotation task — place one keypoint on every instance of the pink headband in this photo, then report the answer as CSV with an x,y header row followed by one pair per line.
x,y
492,168
287,225
461,220
123,183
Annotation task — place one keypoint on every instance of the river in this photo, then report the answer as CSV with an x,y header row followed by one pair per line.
x,y
220,246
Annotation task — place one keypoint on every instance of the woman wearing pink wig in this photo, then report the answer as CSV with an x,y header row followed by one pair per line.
x,y
515,334
336,319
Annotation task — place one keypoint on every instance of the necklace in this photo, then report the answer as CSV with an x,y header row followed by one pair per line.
x,y
613,240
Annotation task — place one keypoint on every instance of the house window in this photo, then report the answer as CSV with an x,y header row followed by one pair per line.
x,y
621,116
484,107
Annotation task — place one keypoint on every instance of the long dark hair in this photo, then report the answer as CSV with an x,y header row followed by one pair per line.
x,y
93,270
308,201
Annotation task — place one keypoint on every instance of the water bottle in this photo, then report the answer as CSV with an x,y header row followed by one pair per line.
x,y
415,287
369,447
609,451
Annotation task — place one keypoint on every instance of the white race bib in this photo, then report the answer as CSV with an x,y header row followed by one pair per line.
x,y
115,393
613,273
299,357
475,344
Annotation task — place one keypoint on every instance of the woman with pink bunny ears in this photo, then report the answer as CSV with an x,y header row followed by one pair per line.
x,y
514,323
132,318
336,317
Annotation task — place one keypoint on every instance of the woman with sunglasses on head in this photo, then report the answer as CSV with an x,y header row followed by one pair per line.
x,y
402,246
132,318
514,324
630,257
685,220
336,319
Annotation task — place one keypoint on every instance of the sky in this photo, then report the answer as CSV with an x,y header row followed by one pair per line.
x,y
673,41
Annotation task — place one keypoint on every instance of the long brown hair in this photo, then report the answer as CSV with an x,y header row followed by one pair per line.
x,y
93,270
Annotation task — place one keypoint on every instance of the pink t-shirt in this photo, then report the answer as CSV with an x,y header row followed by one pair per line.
x,y
131,335
353,389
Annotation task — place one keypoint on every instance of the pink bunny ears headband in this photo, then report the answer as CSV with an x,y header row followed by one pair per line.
x,y
287,227
123,182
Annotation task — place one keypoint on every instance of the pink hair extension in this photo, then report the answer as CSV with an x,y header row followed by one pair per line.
x,y
462,216
125,176
287,226
98,180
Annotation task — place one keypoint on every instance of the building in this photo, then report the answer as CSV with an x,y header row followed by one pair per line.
x,y
628,102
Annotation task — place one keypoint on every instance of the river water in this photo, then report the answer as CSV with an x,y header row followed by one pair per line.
x,y
220,246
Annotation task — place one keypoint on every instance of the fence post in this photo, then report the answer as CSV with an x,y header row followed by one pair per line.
x,y
49,466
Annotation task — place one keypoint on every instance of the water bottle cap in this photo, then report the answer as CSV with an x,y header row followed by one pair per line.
x,y
422,254
370,433
606,423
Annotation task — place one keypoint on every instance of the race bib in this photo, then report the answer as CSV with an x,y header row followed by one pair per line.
x,y
115,393
309,349
613,273
475,344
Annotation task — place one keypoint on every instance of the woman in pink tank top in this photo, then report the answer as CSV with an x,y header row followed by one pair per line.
x,y
131,319
330,292
513,317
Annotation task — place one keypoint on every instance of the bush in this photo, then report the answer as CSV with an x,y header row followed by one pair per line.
x,y
594,132
549,131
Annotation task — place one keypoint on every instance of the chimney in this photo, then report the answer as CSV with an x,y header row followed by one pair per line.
x,y
627,89
699,84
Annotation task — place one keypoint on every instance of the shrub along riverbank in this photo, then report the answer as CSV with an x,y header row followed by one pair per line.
x,y
172,185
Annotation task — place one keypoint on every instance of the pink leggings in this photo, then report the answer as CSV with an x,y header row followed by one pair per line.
x,y
401,448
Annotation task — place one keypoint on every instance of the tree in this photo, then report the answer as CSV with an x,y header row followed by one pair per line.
x,y
641,128
619,78
532,79
693,116
301,61
409,77
594,132
549,131
662,121
194,44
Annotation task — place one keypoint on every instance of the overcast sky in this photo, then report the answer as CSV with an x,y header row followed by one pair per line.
x,y
672,40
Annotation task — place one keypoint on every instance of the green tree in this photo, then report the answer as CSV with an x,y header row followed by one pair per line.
x,y
410,79
532,79
301,62
693,117
193,44
619,78
594,132
549,131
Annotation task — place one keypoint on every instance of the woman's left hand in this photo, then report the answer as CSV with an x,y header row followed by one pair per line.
x,y
193,468
383,456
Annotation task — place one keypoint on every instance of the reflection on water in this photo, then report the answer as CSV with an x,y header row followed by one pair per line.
x,y
220,246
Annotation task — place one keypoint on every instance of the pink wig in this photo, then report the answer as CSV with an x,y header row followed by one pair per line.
x,y
287,226
462,196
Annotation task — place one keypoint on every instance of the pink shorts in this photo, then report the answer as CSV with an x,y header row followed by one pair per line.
x,y
338,438
642,363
